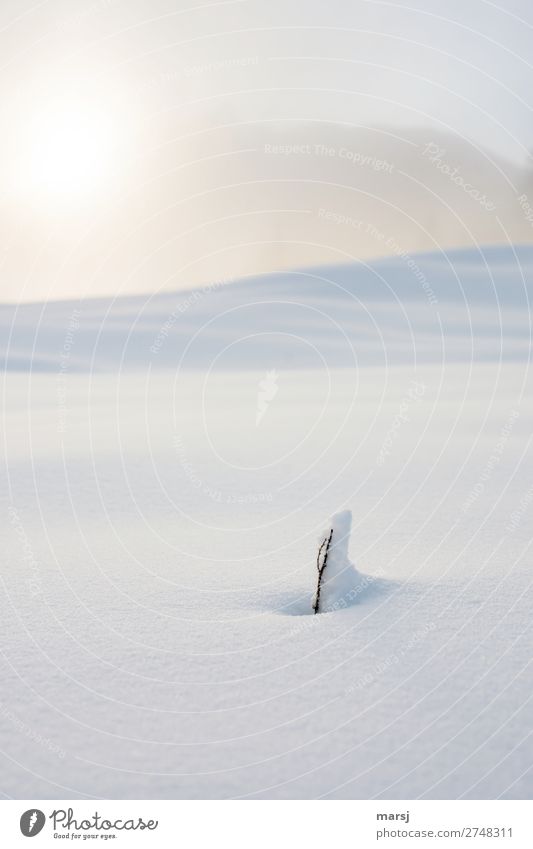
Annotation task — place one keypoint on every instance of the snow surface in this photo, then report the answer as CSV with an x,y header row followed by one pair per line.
x,y
159,538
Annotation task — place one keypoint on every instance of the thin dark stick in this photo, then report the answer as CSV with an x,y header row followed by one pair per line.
x,y
326,542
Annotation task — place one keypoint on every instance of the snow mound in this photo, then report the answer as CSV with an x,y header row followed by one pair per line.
x,y
340,583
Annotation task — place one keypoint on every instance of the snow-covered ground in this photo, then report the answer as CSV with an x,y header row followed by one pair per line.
x,y
171,462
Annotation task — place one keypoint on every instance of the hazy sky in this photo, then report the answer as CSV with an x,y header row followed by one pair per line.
x,y
103,98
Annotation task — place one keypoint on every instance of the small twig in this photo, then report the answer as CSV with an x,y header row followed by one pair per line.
x,y
326,542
